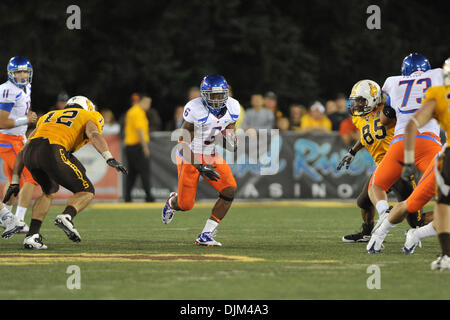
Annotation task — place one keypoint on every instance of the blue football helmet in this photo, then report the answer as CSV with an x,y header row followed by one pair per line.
x,y
415,62
19,63
214,92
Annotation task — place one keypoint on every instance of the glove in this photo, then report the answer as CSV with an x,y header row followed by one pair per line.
x,y
13,189
230,143
408,171
389,112
208,172
116,164
347,159
230,140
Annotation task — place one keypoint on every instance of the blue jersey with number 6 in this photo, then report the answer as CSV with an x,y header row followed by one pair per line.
x,y
206,125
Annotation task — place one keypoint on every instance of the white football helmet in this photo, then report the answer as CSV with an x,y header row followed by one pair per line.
x,y
365,97
82,102
446,72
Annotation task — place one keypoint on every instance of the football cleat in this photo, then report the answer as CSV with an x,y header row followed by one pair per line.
x,y
411,242
375,244
167,212
206,239
12,225
356,237
64,221
441,263
25,229
363,236
34,242
382,217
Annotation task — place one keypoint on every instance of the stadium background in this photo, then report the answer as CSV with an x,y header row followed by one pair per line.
x,y
271,251
303,51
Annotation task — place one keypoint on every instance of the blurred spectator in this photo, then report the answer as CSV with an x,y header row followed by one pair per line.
x,y
111,125
330,107
137,150
348,131
194,92
61,100
341,101
271,103
154,120
177,120
296,112
316,120
335,116
258,117
134,98
283,124
241,118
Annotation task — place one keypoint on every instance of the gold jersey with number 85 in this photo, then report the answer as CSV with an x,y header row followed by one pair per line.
x,y
375,137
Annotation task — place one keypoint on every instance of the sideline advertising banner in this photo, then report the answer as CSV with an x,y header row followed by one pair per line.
x,y
305,169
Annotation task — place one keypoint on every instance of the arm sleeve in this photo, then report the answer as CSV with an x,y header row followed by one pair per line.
x,y
40,120
6,106
429,95
7,99
237,111
386,86
189,114
97,118
433,94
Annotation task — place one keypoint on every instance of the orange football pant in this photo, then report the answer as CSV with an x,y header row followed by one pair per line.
x,y
188,177
390,169
10,147
424,190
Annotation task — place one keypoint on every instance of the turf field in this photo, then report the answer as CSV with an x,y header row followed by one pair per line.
x,y
270,251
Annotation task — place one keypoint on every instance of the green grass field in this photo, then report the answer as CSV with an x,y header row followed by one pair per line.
x,y
269,252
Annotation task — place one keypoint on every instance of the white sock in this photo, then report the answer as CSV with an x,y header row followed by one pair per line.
x,y
4,211
210,226
425,231
386,226
9,207
20,213
382,206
